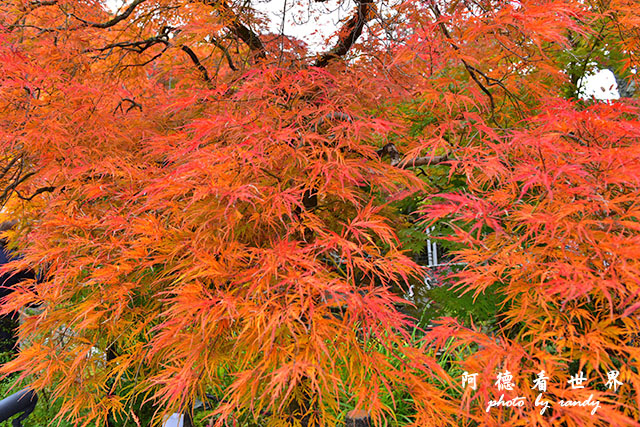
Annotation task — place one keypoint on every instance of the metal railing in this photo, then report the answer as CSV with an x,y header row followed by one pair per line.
x,y
23,401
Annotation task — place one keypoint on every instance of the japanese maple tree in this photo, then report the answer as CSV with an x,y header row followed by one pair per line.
x,y
212,207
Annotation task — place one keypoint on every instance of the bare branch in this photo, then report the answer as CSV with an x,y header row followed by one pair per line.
x,y
9,166
474,72
35,4
225,52
17,181
244,33
35,193
132,104
140,46
110,23
196,61
122,16
397,159
349,33
250,38
421,161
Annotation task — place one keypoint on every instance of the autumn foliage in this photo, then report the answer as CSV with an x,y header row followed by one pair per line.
x,y
214,209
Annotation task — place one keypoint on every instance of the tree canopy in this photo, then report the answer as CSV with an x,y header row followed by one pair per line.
x,y
215,209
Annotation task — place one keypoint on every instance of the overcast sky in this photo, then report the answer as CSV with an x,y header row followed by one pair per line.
x,y
601,85
312,22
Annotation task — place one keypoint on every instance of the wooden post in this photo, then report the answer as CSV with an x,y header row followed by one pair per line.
x,y
357,418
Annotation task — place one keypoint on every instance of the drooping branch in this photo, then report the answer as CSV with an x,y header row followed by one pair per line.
x,y
14,172
196,61
225,52
349,33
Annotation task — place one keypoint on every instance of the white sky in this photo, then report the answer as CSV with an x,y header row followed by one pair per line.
x,y
312,22
315,22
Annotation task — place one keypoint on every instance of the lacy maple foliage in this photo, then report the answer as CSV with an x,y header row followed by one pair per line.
x,y
211,207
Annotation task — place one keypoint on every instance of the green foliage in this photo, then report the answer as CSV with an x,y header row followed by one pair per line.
x,y
480,310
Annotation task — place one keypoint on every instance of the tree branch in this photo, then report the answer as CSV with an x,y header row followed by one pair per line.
x,y
421,161
36,4
110,23
117,18
473,72
12,186
35,193
132,104
250,38
138,46
9,166
399,161
349,33
196,61
8,225
244,33
225,52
